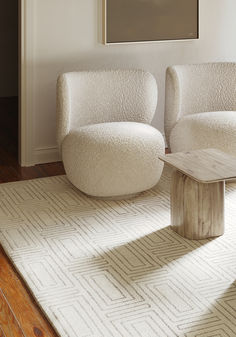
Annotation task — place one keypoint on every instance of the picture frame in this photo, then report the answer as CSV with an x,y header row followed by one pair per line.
x,y
145,21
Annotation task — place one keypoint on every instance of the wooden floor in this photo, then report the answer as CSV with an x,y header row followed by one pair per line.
x,y
19,314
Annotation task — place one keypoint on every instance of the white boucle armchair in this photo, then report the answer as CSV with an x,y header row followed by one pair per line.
x,y
108,147
200,109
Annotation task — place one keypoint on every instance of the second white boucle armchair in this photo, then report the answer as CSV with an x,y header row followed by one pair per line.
x,y
201,107
108,147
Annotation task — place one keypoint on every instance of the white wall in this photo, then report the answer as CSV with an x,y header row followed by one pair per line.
x,y
8,47
67,35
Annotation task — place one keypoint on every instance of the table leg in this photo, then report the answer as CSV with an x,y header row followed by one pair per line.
x,y
197,209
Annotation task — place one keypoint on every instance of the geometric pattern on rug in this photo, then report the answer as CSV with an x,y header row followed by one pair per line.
x,y
115,268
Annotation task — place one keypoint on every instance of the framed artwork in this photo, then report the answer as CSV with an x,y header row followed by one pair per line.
x,y
126,21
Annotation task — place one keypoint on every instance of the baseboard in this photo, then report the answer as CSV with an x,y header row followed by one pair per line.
x,y
46,155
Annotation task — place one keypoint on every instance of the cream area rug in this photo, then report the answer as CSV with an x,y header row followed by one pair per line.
x,y
115,268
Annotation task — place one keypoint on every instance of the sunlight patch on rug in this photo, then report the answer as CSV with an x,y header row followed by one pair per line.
x,y
115,268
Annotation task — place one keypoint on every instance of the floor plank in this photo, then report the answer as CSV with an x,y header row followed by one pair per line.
x,y
28,317
9,324
2,333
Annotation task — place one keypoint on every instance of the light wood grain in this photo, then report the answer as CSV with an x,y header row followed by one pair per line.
x,y
206,166
9,324
2,333
197,209
27,315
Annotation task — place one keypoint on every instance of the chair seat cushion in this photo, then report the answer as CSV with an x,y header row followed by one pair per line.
x,y
205,130
113,159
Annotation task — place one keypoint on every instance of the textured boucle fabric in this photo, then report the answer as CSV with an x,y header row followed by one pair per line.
x,y
113,159
205,130
93,97
108,149
198,88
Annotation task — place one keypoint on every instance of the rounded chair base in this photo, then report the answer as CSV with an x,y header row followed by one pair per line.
x,y
113,160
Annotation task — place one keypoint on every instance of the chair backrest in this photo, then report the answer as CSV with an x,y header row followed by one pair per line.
x,y
93,97
198,88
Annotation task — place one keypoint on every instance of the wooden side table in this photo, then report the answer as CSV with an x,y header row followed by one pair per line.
x,y
198,191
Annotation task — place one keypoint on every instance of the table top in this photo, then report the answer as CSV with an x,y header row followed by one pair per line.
x,y
205,166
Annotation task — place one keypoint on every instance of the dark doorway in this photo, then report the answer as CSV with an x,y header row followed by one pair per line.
x,y
9,81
